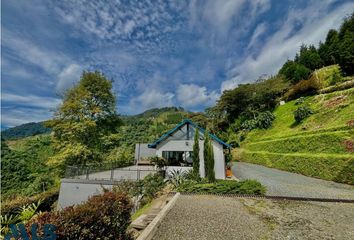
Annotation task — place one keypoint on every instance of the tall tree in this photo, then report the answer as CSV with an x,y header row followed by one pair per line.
x,y
196,152
309,57
208,158
346,46
329,49
87,114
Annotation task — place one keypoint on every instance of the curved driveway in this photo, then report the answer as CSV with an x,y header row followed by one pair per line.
x,y
282,183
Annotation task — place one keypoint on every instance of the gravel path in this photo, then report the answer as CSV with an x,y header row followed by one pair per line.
x,y
284,183
213,217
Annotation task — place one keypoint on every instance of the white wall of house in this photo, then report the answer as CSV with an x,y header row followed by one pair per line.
x,y
187,145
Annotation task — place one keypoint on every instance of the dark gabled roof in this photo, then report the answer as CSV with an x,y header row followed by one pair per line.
x,y
179,126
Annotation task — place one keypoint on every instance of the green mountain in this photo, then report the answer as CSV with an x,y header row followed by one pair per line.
x,y
25,130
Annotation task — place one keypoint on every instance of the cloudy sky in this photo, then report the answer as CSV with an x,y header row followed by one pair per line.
x,y
158,52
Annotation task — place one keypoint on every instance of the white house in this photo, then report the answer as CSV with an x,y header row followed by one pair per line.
x,y
176,146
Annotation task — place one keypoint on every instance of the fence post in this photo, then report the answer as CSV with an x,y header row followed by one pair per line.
x,y
112,173
138,174
87,172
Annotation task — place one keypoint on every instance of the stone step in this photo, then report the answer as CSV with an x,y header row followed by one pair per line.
x,y
141,222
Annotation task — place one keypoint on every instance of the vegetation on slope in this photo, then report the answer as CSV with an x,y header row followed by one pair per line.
x,y
25,130
320,146
24,167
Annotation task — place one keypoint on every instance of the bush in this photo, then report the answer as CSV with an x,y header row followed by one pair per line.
x,y
328,167
159,162
262,121
47,199
176,177
301,113
224,187
303,88
105,216
152,184
300,101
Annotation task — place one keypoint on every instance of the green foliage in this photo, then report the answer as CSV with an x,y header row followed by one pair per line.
x,y
301,113
195,155
22,215
346,46
24,130
209,158
176,177
86,115
251,187
329,49
24,167
105,216
331,167
152,184
248,99
309,57
159,162
317,147
295,71
46,199
262,121
300,101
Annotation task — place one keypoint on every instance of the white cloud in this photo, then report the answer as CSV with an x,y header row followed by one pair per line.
x,y
221,16
27,52
31,100
284,43
15,116
151,98
191,95
260,29
115,20
68,77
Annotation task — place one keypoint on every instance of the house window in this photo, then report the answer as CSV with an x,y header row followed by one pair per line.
x,y
178,158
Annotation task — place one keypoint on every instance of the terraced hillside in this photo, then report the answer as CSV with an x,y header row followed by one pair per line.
x,y
321,146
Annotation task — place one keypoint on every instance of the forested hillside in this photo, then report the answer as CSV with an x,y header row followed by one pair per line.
x,y
25,130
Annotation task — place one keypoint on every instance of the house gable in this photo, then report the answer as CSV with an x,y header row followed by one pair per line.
x,y
185,131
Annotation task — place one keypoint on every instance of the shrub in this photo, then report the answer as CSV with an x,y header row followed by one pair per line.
x,y
176,177
159,162
47,199
301,113
224,187
300,100
262,121
151,185
303,88
105,216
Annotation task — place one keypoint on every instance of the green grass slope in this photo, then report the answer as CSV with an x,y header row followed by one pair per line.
x,y
321,146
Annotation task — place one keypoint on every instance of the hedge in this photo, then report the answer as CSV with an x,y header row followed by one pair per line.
x,y
333,167
105,216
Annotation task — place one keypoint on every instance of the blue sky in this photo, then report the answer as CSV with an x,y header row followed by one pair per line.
x,y
159,53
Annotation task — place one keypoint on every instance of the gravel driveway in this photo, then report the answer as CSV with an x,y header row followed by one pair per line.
x,y
214,217
284,183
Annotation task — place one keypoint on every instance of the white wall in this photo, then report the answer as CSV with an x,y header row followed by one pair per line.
x,y
219,159
187,145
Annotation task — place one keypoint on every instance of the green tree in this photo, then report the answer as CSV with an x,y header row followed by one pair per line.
x,y
346,46
86,115
328,50
294,71
196,152
209,158
309,57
